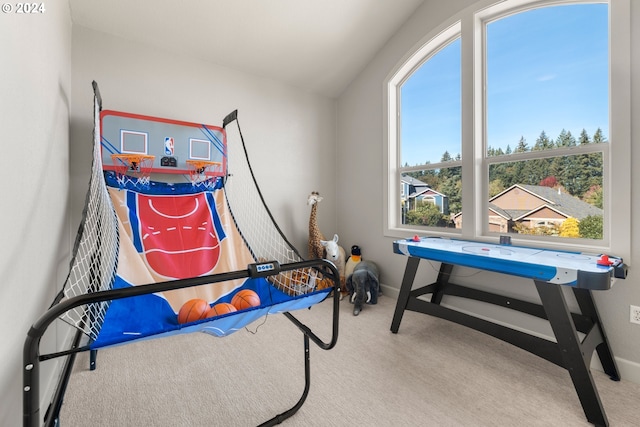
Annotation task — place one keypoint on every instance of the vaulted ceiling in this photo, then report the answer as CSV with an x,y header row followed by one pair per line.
x,y
316,45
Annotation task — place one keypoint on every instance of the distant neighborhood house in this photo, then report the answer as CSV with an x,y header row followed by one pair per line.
x,y
414,192
532,206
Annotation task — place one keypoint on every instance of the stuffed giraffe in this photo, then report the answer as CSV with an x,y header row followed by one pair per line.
x,y
316,250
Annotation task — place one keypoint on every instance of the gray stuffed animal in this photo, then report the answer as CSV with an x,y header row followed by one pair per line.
x,y
363,285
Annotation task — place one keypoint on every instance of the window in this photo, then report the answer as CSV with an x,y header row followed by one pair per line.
x,y
430,139
502,123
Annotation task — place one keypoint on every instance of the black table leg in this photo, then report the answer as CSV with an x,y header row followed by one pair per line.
x,y
570,347
588,308
444,274
405,290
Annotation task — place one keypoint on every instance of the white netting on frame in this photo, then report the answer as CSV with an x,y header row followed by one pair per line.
x,y
257,226
95,254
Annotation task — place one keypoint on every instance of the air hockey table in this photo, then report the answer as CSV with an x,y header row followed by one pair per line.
x,y
551,271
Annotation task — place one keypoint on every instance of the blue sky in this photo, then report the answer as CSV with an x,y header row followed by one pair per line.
x,y
547,70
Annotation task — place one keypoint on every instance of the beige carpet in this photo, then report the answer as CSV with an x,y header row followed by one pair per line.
x,y
432,373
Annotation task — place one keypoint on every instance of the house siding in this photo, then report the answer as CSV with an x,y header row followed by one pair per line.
x,y
518,199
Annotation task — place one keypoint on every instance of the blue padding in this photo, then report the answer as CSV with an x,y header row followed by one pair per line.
x,y
150,316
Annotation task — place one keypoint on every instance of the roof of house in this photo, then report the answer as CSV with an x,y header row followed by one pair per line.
x,y
413,181
507,214
422,188
555,199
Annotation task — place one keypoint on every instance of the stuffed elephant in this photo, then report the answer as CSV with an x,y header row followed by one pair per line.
x,y
363,285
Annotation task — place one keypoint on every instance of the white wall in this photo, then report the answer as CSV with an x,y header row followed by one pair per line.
x,y
298,137
35,83
361,113
290,134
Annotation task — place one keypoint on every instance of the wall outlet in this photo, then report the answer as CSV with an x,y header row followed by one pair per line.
x,y
635,314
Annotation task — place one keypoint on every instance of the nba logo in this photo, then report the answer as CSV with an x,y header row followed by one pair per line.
x,y
168,146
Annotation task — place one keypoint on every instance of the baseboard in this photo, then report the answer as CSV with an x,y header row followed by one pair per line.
x,y
629,371
389,291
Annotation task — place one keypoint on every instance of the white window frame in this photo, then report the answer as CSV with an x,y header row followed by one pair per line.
x,y
469,25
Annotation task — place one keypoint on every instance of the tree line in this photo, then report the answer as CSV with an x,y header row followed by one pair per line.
x,y
578,175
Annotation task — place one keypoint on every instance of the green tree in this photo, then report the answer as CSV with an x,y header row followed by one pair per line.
x,y
536,170
584,138
599,137
589,167
593,196
522,146
543,142
495,187
565,139
427,214
516,172
445,173
452,188
591,227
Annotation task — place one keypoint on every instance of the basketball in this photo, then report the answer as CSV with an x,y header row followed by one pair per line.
x,y
246,298
220,309
192,310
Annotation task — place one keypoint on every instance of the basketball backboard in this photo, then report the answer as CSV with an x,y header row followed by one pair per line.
x,y
171,142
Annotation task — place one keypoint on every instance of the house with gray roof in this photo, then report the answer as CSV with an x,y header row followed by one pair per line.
x,y
414,191
536,205
533,206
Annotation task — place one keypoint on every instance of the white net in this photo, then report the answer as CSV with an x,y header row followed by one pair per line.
x,y
199,171
256,224
133,169
95,253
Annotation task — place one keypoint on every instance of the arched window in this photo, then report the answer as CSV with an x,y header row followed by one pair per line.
x,y
511,97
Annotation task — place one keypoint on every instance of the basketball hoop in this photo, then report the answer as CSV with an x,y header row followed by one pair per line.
x,y
129,166
201,170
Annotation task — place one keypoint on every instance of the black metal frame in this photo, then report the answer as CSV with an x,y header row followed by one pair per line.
x,y
32,358
569,352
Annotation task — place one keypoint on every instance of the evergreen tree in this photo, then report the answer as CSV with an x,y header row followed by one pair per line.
x,y
584,138
452,188
598,137
522,146
538,169
565,139
543,142
518,170
430,178
444,173
593,196
590,164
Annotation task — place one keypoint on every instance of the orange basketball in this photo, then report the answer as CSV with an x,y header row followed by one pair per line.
x,y
220,309
192,310
246,298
